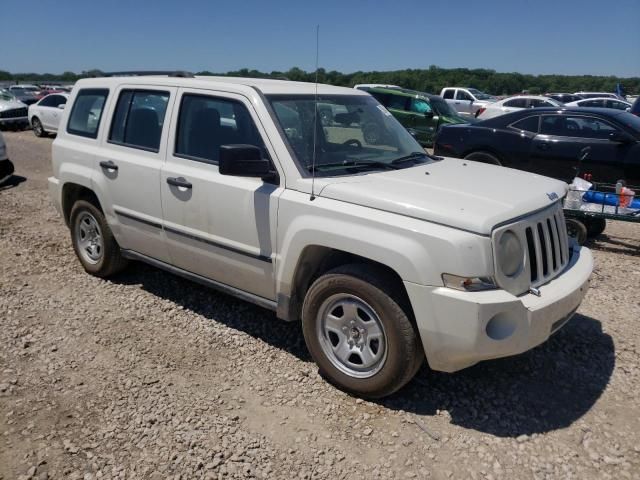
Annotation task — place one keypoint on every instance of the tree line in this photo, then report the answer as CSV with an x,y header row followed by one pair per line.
x,y
432,79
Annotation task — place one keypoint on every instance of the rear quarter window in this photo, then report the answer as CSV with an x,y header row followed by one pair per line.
x,y
86,112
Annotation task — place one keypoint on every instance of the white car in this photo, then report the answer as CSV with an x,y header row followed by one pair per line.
x,y
369,86
44,116
513,104
604,102
13,113
467,101
383,252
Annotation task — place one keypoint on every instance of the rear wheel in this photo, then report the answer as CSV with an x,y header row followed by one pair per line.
x,y
577,230
358,333
595,226
483,157
93,241
36,124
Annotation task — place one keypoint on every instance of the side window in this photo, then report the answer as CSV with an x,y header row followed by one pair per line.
x,y
138,119
537,102
398,102
87,111
617,105
419,105
383,98
516,103
448,93
205,123
529,124
49,101
462,95
577,126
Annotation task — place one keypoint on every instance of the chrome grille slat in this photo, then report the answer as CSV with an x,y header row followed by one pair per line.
x,y
551,222
548,247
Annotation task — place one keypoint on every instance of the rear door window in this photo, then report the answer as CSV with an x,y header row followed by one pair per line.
x,y
398,102
419,105
576,126
516,103
448,93
138,119
529,124
87,111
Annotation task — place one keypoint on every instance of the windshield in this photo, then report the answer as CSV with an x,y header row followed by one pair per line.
x,y
354,133
481,95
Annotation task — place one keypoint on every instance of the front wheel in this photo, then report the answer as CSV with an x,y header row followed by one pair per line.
x,y
577,230
36,125
358,333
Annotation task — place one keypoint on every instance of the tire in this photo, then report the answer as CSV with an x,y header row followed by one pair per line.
x,y
36,125
595,226
484,157
358,304
576,229
93,241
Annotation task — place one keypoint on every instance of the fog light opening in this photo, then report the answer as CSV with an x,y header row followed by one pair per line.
x,y
501,326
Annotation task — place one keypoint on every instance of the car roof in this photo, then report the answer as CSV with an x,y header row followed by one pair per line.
x,y
264,85
525,112
600,98
528,97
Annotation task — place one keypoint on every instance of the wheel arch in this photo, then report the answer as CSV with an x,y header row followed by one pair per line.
x,y
485,149
71,193
316,260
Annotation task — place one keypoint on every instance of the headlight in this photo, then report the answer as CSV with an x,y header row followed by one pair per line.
x,y
510,253
468,284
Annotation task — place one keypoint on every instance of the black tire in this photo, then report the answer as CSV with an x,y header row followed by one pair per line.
x,y
576,229
111,260
595,226
36,125
484,157
402,346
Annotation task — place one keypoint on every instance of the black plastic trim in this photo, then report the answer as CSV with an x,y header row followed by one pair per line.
x,y
138,219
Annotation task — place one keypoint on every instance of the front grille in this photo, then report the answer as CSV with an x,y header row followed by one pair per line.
x,y
15,113
548,247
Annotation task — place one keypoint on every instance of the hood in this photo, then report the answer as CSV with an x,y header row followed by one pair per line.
x,y
462,194
10,105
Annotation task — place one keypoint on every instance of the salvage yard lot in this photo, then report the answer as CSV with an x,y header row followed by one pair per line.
x,y
150,376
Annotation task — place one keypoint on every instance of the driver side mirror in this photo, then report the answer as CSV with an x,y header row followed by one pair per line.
x,y
244,161
621,137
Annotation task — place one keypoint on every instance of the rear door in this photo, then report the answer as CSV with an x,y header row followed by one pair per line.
x,y
129,163
217,226
557,149
51,111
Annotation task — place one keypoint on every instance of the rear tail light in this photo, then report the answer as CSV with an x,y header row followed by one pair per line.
x,y
480,111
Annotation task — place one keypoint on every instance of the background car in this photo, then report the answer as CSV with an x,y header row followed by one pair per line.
x,y
597,95
513,104
45,115
27,94
550,142
563,97
466,101
420,113
6,167
13,113
601,103
635,108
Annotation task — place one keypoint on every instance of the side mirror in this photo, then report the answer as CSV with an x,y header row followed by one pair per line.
x,y
244,161
621,137
628,109
61,106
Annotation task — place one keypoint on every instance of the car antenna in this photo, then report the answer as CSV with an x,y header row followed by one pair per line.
x,y
315,121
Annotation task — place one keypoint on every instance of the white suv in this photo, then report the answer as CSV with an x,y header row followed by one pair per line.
x,y
385,253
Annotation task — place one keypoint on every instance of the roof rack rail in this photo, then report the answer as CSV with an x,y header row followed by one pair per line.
x,y
142,73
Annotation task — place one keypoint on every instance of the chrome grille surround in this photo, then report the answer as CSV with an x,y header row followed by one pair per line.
x,y
545,244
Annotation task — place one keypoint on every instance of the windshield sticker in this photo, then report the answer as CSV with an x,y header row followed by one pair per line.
x,y
384,110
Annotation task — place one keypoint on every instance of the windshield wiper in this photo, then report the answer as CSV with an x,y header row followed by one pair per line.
x,y
414,156
354,164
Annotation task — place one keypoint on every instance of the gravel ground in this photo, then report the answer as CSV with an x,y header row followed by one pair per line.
x,y
151,376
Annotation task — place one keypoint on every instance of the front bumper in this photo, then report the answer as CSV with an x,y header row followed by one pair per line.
x,y
24,121
459,329
55,194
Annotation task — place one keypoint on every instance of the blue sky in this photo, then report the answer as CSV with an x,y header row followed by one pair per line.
x,y
561,36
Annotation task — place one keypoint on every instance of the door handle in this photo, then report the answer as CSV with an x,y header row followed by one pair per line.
x,y
543,146
109,165
179,182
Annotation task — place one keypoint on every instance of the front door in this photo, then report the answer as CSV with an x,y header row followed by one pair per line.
x,y
423,120
219,227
